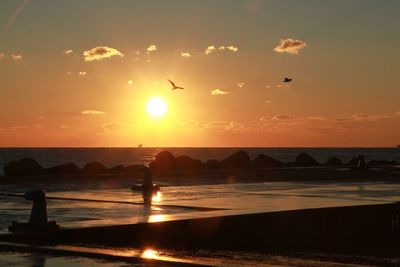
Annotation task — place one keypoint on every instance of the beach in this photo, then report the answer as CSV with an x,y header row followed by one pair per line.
x,y
88,206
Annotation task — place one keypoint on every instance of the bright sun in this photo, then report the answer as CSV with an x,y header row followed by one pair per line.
x,y
157,106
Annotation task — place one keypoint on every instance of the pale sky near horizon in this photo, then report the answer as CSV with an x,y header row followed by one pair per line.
x,y
231,57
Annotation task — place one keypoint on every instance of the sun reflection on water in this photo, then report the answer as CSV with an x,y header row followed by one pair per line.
x,y
157,197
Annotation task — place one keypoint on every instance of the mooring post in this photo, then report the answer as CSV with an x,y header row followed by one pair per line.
x,y
38,222
38,216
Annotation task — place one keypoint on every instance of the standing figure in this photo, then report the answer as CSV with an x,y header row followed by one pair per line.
x,y
147,186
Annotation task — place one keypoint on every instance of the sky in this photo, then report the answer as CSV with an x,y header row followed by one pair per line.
x,y
81,73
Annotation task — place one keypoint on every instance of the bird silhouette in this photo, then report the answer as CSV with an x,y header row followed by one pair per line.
x,y
287,80
174,87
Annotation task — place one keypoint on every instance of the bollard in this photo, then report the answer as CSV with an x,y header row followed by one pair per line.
x,y
38,219
38,216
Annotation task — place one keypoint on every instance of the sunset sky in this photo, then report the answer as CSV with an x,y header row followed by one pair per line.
x,y
81,73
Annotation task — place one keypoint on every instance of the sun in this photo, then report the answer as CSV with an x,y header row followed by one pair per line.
x,y
156,106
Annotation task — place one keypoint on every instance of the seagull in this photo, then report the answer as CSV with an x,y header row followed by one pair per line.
x,y
174,87
287,80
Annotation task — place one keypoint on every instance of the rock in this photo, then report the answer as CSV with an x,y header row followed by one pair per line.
x,y
187,163
135,168
334,161
352,162
303,159
211,164
239,159
117,169
360,165
164,161
23,167
94,168
382,162
68,168
264,161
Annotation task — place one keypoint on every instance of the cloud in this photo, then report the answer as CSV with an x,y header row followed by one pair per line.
x,y
283,118
370,118
100,53
68,51
10,22
241,85
209,49
282,86
212,48
151,48
189,124
82,73
290,46
130,82
219,92
63,126
232,48
92,112
268,101
398,113
226,125
17,57
2,55
185,54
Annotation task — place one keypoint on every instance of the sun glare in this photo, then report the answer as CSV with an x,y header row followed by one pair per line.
x,y
156,106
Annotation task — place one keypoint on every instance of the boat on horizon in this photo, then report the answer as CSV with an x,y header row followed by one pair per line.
x,y
140,145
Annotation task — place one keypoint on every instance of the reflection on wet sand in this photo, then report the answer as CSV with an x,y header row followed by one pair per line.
x,y
158,218
150,254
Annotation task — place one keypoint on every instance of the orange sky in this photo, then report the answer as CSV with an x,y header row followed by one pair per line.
x,y
81,74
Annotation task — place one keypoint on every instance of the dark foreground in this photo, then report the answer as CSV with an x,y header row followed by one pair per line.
x,y
369,231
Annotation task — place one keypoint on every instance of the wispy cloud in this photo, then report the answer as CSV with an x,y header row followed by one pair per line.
x,y
189,124
130,82
68,51
219,92
92,112
82,73
9,23
370,118
2,55
186,54
225,125
17,57
151,48
290,46
100,53
241,84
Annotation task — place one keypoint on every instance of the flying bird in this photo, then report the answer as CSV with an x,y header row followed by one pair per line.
x,y
174,87
287,80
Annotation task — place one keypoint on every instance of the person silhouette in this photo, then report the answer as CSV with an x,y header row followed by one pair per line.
x,y
147,183
147,186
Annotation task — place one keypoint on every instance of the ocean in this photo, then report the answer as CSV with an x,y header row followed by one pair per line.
x,y
48,157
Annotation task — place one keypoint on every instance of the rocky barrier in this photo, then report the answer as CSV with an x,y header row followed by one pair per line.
x,y
166,162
